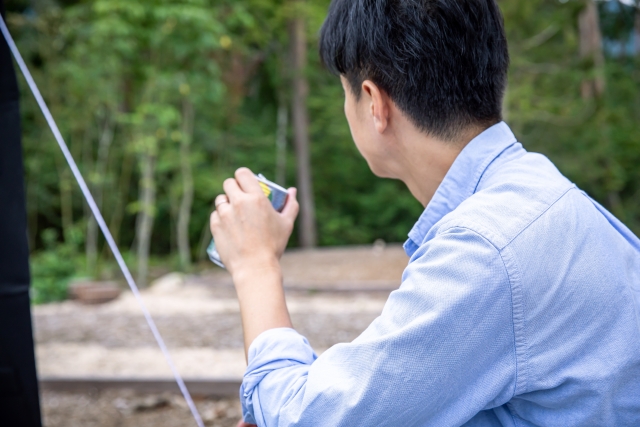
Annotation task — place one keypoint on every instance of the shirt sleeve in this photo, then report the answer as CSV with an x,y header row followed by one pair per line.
x,y
442,350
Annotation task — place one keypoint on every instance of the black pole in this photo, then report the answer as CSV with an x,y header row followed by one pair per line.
x,y
19,399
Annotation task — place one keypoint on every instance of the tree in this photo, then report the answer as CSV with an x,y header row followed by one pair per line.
x,y
636,31
186,175
300,90
115,75
591,50
97,178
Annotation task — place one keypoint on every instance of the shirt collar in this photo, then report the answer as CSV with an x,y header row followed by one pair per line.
x,y
462,179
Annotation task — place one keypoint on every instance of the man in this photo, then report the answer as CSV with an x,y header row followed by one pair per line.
x,y
520,303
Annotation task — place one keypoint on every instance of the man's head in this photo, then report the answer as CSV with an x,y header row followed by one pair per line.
x,y
443,63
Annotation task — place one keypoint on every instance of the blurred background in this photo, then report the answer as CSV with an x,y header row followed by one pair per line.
x,y
161,100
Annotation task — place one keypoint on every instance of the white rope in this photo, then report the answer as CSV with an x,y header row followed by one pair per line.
x,y
99,219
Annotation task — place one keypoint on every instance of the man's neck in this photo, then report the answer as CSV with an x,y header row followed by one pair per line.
x,y
423,161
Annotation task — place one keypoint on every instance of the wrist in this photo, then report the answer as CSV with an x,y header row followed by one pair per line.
x,y
263,269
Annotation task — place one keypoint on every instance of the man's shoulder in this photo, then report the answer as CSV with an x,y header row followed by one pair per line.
x,y
512,198
573,280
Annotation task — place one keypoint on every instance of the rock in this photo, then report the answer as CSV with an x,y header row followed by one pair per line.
x,y
94,292
167,284
74,285
378,247
141,403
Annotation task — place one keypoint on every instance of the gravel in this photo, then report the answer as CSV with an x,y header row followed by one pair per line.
x,y
200,322
124,408
221,331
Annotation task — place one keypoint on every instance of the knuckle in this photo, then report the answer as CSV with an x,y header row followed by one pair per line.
x,y
242,171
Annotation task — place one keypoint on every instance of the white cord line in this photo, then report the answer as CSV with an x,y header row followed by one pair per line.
x,y
99,219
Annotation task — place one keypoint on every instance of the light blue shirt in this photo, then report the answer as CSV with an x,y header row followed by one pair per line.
x,y
520,306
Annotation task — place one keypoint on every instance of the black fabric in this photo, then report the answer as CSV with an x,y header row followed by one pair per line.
x,y
19,399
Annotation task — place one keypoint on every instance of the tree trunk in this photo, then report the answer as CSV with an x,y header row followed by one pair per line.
x,y
91,247
636,32
591,50
281,145
66,201
184,212
121,198
127,163
307,222
144,223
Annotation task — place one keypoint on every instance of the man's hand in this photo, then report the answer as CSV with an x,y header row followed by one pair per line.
x,y
250,238
246,228
241,423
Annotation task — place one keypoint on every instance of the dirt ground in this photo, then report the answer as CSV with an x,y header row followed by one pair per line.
x,y
345,268
333,295
124,408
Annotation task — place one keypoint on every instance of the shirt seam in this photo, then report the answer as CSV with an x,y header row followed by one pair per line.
x,y
485,167
521,346
518,377
518,318
544,211
480,170
453,222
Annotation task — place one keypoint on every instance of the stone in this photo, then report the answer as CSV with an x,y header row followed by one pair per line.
x,y
94,292
167,284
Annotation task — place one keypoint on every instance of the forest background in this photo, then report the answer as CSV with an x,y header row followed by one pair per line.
x,y
161,100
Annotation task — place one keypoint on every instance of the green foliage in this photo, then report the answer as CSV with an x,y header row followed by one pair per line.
x,y
594,142
53,268
128,67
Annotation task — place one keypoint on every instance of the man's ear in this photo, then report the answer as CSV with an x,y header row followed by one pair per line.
x,y
379,105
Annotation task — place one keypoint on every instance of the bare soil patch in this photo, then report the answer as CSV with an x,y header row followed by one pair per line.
x,y
333,294
124,408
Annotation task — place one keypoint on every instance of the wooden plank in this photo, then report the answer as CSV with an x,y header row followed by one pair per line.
x,y
224,387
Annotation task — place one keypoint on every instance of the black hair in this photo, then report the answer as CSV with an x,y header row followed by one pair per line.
x,y
443,62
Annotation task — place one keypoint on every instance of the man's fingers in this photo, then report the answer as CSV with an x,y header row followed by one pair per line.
x,y
222,203
247,181
292,207
214,220
232,189
221,199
